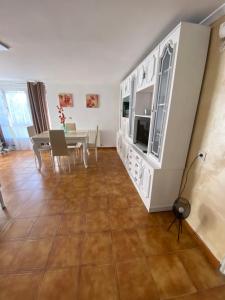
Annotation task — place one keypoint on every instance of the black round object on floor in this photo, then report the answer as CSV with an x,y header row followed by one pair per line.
x,y
181,210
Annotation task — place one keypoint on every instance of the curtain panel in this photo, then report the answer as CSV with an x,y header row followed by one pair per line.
x,y
38,105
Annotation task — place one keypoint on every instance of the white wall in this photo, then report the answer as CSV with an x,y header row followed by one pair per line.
x,y
106,116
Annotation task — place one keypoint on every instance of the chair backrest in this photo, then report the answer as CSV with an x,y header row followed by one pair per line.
x,y
58,143
31,131
96,136
70,126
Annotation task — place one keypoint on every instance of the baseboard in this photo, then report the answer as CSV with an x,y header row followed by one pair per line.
x,y
210,256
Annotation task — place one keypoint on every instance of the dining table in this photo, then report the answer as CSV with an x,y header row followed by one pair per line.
x,y
72,137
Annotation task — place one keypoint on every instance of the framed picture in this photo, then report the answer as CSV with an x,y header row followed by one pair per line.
x,y
65,100
92,101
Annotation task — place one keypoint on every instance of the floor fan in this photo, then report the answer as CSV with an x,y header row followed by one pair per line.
x,y
182,207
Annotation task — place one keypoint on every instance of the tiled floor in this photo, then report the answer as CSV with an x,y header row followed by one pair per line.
x,y
86,236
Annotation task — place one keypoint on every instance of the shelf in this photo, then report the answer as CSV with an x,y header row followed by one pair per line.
x,y
143,116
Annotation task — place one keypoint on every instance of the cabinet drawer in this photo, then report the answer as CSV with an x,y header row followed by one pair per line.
x,y
138,159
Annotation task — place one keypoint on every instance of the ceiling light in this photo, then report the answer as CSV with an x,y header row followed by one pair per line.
x,y
4,47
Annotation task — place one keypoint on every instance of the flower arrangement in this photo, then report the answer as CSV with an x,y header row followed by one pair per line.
x,y
62,116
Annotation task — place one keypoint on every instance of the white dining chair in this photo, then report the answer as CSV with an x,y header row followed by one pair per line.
x,y
59,147
71,127
43,148
94,145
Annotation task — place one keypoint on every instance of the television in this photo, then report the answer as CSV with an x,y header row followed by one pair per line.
x,y
142,132
126,109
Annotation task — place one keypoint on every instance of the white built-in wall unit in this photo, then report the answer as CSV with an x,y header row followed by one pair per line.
x,y
157,111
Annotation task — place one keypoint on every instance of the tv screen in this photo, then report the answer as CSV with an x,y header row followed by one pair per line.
x,y
143,125
126,109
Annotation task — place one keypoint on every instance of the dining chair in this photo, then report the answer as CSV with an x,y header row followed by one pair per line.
x,y
93,146
59,147
71,127
76,146
43,148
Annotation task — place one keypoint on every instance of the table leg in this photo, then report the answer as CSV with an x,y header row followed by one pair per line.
x,y
38,155
85,154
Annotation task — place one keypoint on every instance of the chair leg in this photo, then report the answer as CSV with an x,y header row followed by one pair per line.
x,y
81,154
53,163
74,158
96,154
68,160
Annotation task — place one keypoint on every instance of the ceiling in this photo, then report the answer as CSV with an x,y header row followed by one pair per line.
x,y
86,41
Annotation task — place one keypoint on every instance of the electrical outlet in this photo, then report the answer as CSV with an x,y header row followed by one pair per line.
x,y
202,155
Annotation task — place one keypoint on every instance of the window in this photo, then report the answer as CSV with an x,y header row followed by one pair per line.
x,y
15,116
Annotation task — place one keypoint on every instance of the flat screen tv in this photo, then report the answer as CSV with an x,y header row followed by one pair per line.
x,y
142,132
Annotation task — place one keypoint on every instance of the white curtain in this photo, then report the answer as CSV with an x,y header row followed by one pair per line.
x,y
15,116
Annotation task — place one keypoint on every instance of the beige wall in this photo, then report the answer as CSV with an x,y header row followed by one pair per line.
x,y
206,185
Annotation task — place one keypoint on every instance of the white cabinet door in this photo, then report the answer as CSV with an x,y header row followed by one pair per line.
x,y
124,150
151,67
132,105
119,143
126,85
145,183
146,71
162,97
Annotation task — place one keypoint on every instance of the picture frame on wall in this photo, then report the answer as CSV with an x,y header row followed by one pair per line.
x,y
92,101
65,100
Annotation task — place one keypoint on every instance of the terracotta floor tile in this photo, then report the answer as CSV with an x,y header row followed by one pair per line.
x,y
8,253
157,240
33,254
217,293
121,219
45,227
96,203
141,217
73,206
52,207
65,252
3,223
17,228
60,284
135,281
98,283
97,248
71,224
133,199
118,202
97,221
198,267
170,276
154,241
126,245
20,287
30,210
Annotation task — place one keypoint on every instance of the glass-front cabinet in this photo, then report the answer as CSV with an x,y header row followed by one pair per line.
x,y
161,100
